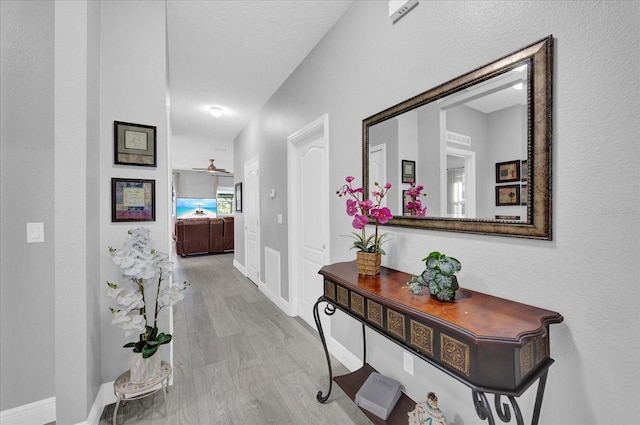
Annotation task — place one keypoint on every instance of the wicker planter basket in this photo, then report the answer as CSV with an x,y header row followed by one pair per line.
x,y
368,263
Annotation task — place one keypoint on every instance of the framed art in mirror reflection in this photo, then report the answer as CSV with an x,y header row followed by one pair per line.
x,y
508,171
508,194
408,171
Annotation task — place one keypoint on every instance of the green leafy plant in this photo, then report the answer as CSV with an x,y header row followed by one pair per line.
x,y
438,276
146,273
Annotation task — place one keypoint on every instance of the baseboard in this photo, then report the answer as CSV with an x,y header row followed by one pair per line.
x,y
44,411
282,304
104,397
240,267
344,356
39,412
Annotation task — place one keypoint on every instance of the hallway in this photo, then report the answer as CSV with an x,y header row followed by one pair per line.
x,y
239,359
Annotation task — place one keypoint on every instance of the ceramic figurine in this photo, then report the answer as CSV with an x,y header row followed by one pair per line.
x,y
427,412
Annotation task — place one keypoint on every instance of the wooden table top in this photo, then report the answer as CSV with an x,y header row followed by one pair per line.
x,y
482,317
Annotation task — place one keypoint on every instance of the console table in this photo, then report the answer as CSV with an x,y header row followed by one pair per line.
x,y
490,344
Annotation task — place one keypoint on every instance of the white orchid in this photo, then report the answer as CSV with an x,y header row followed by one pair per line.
x,y
130,298
114,290
132,323
171,295
143,267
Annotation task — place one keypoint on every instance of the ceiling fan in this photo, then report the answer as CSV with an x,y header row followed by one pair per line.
x,y
212,169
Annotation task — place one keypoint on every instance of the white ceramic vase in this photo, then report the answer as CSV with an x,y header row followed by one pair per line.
x,y
143,370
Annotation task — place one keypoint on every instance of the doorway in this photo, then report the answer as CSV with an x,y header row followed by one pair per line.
x,y
251,210
378,168
459,178
308,200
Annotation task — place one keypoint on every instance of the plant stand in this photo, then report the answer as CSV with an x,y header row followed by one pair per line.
x,y
125,390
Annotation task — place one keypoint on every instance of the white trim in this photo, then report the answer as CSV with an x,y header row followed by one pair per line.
x,y
240,267
292,201
44,411
280,302
104,397
470,183
344,356
38,412
247,165
381,176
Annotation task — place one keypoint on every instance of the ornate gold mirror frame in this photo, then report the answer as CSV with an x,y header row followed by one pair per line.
x,y
537,225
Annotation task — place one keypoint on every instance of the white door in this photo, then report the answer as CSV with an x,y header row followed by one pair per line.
x,y
251,210
308,191
378,170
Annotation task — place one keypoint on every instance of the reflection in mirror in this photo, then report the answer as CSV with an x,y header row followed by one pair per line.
x,y
454,136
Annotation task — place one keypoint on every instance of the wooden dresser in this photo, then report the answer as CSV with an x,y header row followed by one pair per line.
x,y
490,344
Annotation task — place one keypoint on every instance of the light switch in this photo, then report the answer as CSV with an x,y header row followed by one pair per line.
x,y
279,218
35,232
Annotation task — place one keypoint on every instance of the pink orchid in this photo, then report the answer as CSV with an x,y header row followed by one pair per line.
x,y
382,215
359,221
414,205
365,210
366,205
351,207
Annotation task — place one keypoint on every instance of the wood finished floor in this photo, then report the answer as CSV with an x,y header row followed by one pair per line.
x,y
239,360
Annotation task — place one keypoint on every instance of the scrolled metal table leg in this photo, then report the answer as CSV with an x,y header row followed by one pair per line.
x,y
483,409
503,411
539,394
328,310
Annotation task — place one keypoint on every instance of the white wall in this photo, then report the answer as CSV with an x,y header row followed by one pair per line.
x,y
194,184
26,195
191,184
133,89
77,339
589,272
65,79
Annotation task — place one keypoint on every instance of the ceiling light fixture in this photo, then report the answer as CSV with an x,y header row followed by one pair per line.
x,y
215,111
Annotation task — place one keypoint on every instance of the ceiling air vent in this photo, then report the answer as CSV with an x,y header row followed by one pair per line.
x,y
399,8
461,139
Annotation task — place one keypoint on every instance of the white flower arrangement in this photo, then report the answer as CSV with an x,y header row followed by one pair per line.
x,y
143,268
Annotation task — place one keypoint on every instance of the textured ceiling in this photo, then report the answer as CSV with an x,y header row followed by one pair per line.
x,y
234,54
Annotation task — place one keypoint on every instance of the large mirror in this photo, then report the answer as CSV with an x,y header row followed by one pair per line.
x,y
479,145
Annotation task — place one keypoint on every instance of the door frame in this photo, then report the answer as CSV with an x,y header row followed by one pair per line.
x,y
248,164
470,181
293,197
381,177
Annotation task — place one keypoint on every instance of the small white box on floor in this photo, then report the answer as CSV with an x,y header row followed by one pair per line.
x,y
379,394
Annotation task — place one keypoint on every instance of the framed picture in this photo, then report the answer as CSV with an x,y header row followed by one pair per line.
x,y
508,171
508,217
408,171
508,194
133,200
524,192
524,170
134,144
239,197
